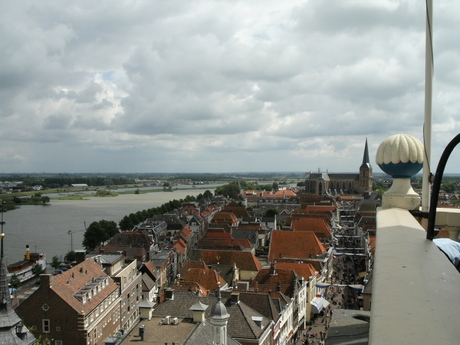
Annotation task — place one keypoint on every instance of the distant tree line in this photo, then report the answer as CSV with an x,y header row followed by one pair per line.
x,y
58,182
61,180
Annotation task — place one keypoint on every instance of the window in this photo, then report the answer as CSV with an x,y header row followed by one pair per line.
x,y
58,342
45,325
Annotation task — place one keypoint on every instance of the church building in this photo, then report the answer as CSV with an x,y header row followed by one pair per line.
x,y
330,183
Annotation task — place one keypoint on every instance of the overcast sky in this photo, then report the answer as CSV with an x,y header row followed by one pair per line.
x,y
220,86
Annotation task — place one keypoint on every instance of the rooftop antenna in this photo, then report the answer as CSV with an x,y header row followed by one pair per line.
x,y
429,68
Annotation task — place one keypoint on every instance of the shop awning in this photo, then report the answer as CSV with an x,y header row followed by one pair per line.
x,y
356,287
318,304
322,285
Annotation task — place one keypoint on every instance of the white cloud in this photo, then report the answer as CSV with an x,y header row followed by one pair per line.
x,y
218,86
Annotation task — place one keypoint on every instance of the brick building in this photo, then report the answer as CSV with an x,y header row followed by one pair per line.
x,y
78,307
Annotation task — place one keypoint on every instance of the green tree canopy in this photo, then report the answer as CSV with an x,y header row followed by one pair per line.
x,y
449,187
70,256
94,236
99,232
14,281
55,262
37,269
230,190
110,227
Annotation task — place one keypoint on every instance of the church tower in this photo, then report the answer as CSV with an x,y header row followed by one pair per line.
x,y
365,173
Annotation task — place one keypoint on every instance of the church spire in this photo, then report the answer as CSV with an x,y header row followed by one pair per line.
x,y
366,161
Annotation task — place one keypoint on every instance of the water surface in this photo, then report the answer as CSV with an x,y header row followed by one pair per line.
x,y
45,228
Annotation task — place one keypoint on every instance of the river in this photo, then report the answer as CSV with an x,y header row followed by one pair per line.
x,y
45,228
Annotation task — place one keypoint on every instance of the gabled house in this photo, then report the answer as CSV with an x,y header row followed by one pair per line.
x,y
199,272
225,217
149,282
285,282
79,306
197,224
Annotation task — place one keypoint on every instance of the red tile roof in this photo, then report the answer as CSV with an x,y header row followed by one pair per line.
x,y
238,211
243,260
274,279
316,225
180,246
224,217
265,194
302,269
78,277
294,244
208,278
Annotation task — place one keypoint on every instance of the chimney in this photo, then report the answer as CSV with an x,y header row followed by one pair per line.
x,y
273,269
235,297
169,294
45,280
80,256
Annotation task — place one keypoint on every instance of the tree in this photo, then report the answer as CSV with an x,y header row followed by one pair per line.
x,y
126,223
230,190
110,227
15,282
207,194
37,269
99,232
449,187
94,236
55,262
45,199
70,256
275,187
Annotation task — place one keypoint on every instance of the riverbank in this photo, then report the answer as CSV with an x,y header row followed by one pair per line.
x,y
46,229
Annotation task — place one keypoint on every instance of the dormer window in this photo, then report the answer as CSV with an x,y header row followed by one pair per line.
x,y
257,320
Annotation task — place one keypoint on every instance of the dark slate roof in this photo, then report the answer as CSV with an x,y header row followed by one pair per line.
x,y
240,323
147,282
247,234
226,272
203,336
261,302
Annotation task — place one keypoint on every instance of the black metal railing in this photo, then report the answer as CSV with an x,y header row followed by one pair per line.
x,y
437,185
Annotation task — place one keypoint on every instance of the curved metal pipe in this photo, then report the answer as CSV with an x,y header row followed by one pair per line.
x,y
437,185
